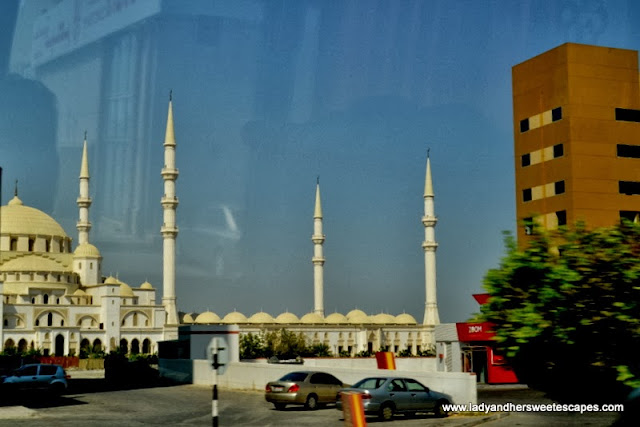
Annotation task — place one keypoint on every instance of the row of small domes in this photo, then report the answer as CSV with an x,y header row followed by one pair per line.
x,y
353,317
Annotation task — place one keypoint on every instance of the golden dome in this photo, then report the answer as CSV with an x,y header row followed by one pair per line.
x,y
261,317
207,317
311,318
235,317
187,318
287,317
111,281
355,312
383,318
146,285
79,293
33,262
86,250
125,290
406,319
359,318
336,318
25,220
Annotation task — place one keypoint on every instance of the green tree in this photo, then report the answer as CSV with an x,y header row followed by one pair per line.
x,y
285,344
252,346
566,310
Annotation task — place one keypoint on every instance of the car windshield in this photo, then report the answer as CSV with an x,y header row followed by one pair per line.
x,y
294,377
369,383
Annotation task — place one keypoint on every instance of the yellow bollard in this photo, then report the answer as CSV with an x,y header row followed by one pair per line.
x,y
353,409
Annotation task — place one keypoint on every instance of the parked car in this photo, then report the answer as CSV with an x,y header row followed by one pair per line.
x,y
308,388
50,378
386,396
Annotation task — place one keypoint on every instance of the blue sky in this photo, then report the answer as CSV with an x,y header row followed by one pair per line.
x,y
355,92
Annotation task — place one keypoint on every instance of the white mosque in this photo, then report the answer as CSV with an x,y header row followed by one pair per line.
x,y
56,299
356,331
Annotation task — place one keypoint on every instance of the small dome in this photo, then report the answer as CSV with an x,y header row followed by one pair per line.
x,y
86,250
311,318
383,318
146,285
235,317
111,281
359,318
187,318
125,290
207,317
79,293
336,318
406,319
355,312
287,317
261,317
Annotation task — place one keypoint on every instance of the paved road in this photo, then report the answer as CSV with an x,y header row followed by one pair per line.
x,y
89,403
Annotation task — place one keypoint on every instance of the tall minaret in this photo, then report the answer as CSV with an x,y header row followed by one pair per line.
x,y
318,259
84,201
169,230
429,246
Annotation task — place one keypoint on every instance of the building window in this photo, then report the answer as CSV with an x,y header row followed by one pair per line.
x,y
50,319
627,115
526,159
558,151
562,217
526,195
46,299
629,187
632,151
559,187
556,114
13,245
524,125
32,242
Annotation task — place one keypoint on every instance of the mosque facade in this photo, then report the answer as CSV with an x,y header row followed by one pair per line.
x,y
54,298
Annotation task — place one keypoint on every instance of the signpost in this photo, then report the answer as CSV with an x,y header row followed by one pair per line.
x,y
218,355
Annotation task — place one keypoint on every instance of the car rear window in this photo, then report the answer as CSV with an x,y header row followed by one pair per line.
x,y
294,377
369,383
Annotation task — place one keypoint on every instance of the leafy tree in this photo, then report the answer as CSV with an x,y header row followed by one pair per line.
x,y
566,310
252,346
285,344
319,350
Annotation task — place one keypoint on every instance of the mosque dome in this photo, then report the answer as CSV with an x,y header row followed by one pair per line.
x,y
33,263
187,318
311,318
406,319
336,318
383,318
207,317
111,281
79,293
358,318
20,219
261,317
86,250
235,317
125,290
355,312
287,317
146,285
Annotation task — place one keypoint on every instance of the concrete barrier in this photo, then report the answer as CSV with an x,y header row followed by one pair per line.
x,y
254,376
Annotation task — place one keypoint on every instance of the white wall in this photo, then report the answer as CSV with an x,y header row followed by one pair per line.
x,y
254,376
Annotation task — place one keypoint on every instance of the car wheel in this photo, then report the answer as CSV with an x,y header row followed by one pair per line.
x,y
280,406
57,389
386,412
439,410
312,402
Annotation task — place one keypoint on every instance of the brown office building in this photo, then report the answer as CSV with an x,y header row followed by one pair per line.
x,y
576,112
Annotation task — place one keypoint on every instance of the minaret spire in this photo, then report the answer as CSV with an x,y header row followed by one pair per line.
x,y
84,201
429,246
169,229
318,259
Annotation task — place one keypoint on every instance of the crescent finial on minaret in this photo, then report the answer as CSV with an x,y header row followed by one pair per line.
x,y
15,191
170,95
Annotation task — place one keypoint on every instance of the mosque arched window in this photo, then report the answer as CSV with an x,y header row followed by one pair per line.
x,y
6,322
47,245
33,300
45,299
32,242
13,244
37,322
50,319
135,319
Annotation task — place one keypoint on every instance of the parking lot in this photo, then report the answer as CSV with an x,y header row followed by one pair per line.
x,y
90,401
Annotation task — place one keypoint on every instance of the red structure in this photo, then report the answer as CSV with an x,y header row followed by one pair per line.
x,y
479,354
